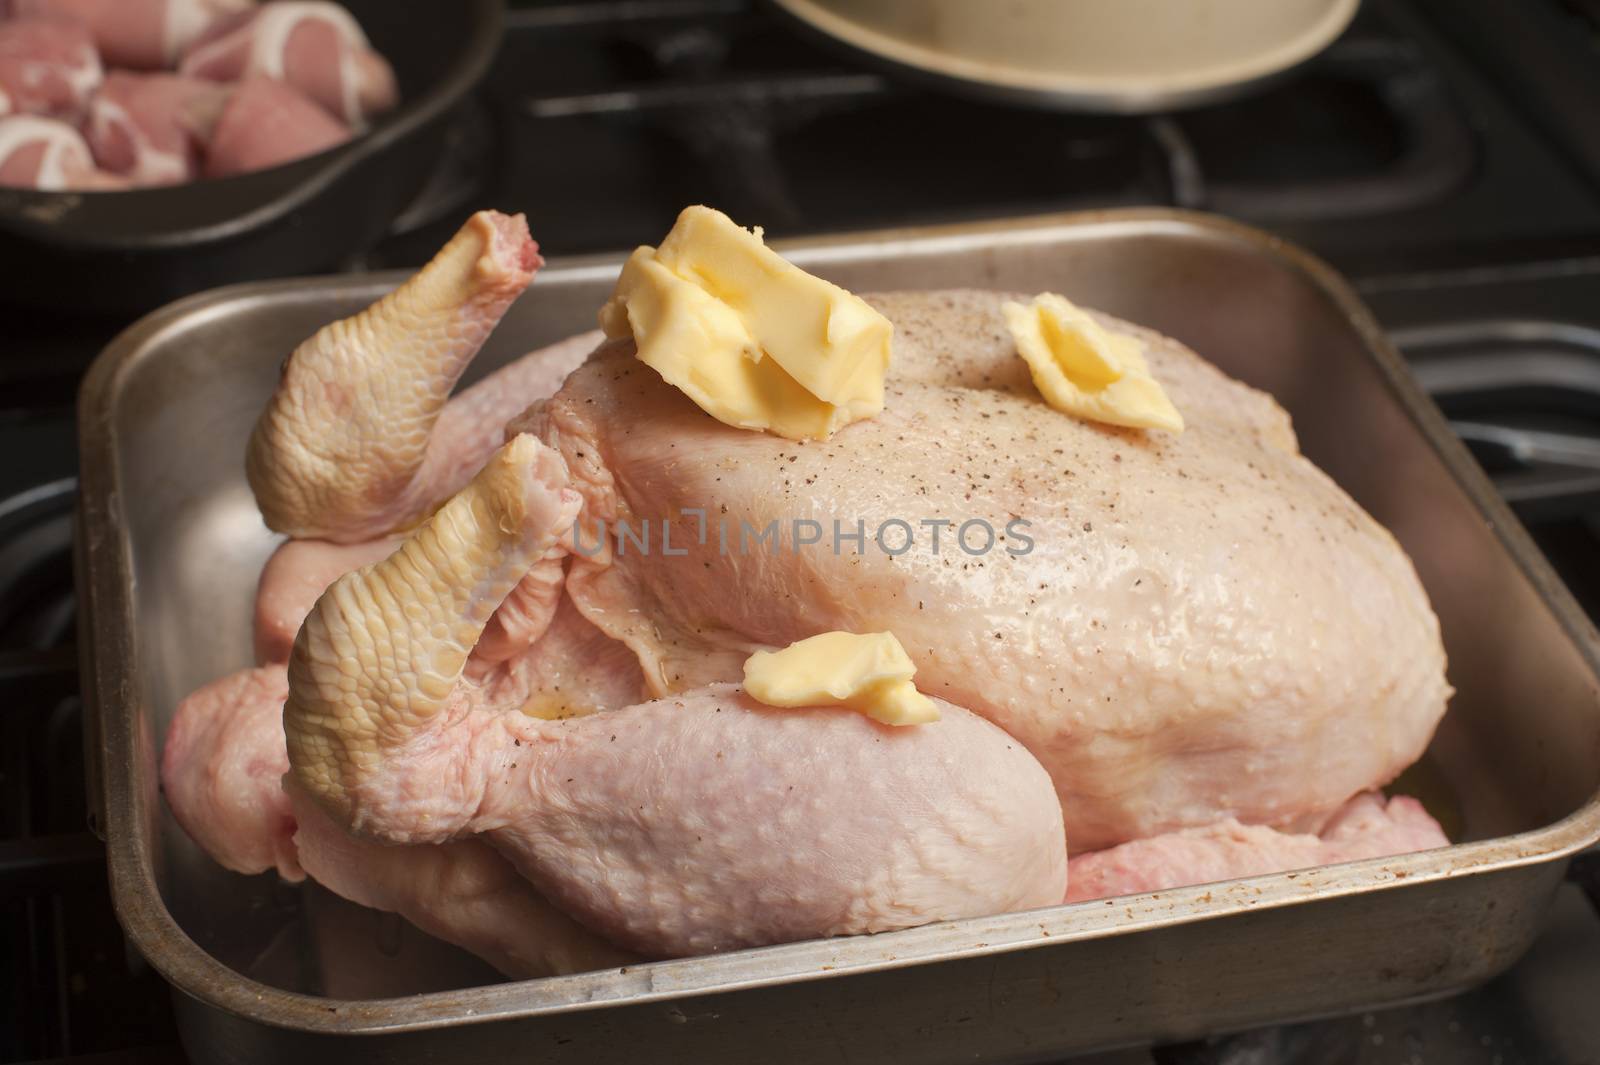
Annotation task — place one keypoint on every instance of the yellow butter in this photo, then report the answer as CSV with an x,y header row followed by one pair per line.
x,y
755,341
870,674
700,346
1083,369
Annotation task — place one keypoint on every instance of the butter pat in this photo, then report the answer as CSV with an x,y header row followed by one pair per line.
x,y
755,341
1085,370
830,341
869,674
699,345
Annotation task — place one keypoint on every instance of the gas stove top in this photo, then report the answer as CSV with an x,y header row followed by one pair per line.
x,y
1390,150
1466,211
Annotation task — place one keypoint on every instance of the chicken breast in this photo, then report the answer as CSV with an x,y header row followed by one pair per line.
x,y
1186,628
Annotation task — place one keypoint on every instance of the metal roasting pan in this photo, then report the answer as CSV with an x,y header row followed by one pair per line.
x,y
170,546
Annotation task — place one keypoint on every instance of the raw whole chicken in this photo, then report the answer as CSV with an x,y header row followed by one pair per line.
x,y
144,126
47,68
138,34
50,156
1209,635
315,46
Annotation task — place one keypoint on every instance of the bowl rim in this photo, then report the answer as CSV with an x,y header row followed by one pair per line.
x,y
1124,94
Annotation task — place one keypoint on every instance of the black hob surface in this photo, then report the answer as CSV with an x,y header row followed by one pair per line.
x,y
1444,153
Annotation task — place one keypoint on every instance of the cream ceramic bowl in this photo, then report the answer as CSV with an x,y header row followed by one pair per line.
x,y
1102,55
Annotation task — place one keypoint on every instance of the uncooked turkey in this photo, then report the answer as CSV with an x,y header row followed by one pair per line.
x,y
1205,632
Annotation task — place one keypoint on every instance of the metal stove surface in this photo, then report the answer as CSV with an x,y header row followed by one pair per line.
x,y
1469,216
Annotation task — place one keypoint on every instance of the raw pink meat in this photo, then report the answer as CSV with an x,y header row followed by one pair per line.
x,y
268,123
1365,827
691,819
47,67
142,126
222,769
295,575
51,156
316,47
142,34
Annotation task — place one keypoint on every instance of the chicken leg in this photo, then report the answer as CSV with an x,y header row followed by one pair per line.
x,y
769,825
350,448
222,770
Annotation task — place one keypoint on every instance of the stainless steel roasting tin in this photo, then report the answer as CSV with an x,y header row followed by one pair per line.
x,y
170,546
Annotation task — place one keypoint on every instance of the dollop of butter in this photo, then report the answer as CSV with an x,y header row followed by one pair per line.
x,y
870,674
1083,369
754,340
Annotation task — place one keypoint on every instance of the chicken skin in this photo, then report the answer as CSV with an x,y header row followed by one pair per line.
x,y
1204,627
